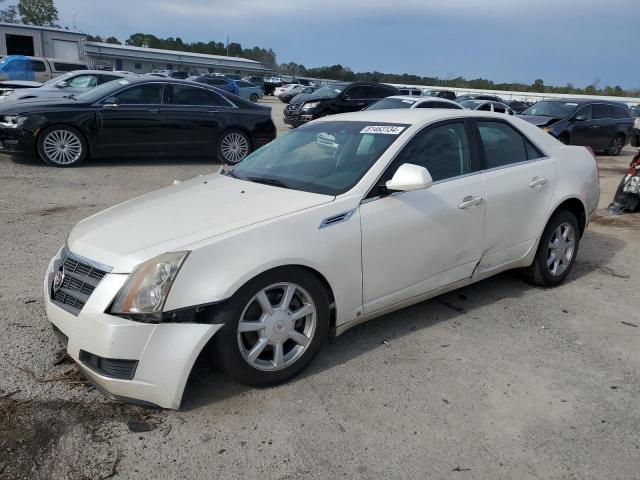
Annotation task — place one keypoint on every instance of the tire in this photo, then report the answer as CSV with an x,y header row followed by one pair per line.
x,y
563,224
564,138
242,335
233,146
62,146
616,146
253,97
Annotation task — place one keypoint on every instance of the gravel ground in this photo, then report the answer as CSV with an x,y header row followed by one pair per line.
x,y
499,380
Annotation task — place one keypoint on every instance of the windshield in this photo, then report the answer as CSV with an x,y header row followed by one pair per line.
x,y
61,78
327,157
102,91
387,103
552,109
472,104
329,91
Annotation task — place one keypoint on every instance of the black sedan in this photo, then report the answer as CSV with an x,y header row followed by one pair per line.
x,y
141,116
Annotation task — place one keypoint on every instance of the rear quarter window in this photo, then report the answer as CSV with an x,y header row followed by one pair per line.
x,y
620,112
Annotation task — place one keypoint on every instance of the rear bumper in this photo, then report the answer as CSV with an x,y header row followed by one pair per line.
x,y
127,360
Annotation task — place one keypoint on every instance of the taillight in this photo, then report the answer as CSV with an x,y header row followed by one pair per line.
x,y
636,123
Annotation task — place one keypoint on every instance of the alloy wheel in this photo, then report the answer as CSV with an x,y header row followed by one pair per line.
x,y
277,326
234,147
62,147
561,249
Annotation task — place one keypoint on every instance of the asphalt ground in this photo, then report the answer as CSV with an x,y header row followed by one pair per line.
x,y
499,380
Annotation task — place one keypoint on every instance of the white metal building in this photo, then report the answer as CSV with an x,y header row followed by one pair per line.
x,y
19,39
141,60
63,44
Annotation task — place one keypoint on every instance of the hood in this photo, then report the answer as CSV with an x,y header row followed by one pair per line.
x,y
20,84
12,105
310,97
538,120
175,217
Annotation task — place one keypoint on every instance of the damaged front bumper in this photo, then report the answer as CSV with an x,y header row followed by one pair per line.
x,y
127,360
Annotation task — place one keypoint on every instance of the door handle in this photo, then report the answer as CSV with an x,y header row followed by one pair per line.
x,y
212,112
470,202
594,126
153,110
537,182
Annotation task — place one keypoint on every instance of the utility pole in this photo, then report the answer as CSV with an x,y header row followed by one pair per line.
x,y
74,20
227,44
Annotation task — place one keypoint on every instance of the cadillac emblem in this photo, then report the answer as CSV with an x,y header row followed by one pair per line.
x,y
58,279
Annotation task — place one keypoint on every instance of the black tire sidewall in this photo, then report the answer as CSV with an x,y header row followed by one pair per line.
x,y
76,132
253,97
543,275
225,349
612,152
219,154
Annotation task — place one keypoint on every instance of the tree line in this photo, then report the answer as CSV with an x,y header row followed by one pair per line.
x,y
44,13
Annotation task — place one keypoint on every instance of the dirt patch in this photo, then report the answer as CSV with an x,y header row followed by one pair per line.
x,y
64,440
626,220
43,212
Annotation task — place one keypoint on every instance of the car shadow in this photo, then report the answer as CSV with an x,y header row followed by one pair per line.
x,y
128,161
207,386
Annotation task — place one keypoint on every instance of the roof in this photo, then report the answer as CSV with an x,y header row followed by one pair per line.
x,y
414,116
131,48
36,27
425,98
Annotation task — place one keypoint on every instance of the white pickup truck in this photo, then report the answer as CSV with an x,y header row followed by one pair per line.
x,y
17,71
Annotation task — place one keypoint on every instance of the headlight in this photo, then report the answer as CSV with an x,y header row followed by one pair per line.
x,y
146,290
12,121
4,93
547,129
310,105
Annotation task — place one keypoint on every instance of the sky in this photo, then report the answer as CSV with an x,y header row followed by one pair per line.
x,y
578,41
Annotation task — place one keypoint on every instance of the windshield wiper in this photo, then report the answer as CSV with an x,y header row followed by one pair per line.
x,y
268,181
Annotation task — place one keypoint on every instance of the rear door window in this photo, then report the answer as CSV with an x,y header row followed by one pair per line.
x,y
150,94
620,112
601,110
503,145
194,96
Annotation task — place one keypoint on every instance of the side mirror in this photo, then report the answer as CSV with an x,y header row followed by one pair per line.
x,y
111,102
410,177
62,84
579,118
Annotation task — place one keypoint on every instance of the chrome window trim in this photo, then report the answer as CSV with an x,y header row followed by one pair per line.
x,y
545,156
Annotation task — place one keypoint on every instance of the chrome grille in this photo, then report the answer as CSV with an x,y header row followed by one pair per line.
x,y
80,280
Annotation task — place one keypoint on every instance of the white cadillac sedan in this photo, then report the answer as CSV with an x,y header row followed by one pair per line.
x,y
337,222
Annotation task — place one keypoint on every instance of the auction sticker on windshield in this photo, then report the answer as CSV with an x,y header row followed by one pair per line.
x,y
383,129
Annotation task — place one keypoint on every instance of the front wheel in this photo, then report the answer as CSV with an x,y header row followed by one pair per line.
x,y
233,147
62,146
273,327
253,97
556,252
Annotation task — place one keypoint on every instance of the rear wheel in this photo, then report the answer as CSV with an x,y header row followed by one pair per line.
x,y
616,146
253,97
62,146
273,327
556,252
233,147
